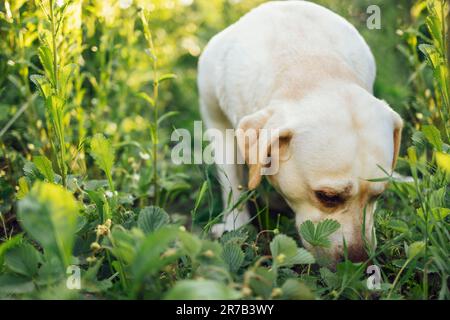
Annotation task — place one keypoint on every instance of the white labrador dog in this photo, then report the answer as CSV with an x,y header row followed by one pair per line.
x,y
300,68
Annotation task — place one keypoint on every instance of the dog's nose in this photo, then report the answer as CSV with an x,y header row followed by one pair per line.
x,y
356,253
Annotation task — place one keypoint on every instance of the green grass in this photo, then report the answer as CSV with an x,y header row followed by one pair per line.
x,y
86,178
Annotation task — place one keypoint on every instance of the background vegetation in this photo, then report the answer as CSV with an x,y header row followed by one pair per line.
x,y
90,92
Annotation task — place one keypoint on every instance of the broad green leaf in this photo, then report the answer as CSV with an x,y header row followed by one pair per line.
x,y
103,153
302,257
55,107
42,84
398,225
167,76
282,244
211,253
201,290
147,98
262,283
443,161
330,278
44,166
65,74
415,249
31,172
433,136
98,200
46,58
14,284
23,259
431,55
439,214
8,244
293,289
23,188
286,253
152,218
233,256
190,244
148,259
49,215
166,116
125,243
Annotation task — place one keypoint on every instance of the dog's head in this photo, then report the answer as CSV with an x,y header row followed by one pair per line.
x,y
329,150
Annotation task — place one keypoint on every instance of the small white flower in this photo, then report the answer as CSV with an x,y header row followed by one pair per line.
x,y
186,2
144,156
60,3
125,4
109,194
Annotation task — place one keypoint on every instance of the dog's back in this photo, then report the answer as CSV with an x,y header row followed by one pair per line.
x,y
278,51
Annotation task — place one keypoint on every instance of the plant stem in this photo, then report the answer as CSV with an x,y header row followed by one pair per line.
x,y
60,114
398,277
155,124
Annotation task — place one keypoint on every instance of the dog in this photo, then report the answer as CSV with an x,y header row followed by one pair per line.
x,y
299,68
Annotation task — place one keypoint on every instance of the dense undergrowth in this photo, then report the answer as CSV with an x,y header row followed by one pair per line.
x,y
90,93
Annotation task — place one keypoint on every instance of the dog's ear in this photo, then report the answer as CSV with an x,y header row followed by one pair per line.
x,y
398,126
262,142
397,131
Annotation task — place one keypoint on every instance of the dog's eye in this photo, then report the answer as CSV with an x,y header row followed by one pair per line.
x,y
329,199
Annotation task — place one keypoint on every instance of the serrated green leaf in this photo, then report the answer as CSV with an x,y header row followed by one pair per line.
x,y
152,218
307,231
236,236
330,278
233,256
8,244
318,235
326,227
23,259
